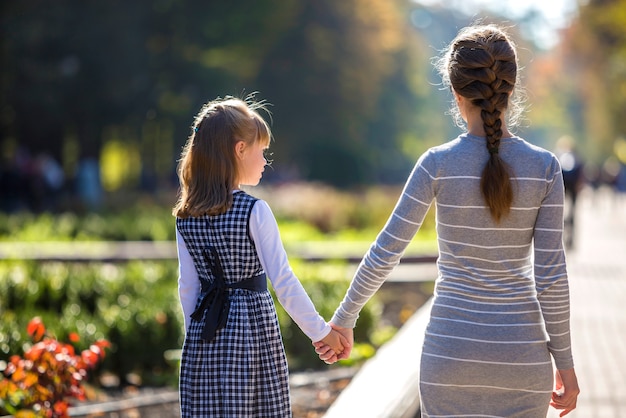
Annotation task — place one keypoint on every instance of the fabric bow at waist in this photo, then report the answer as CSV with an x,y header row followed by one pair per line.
x,y
216,301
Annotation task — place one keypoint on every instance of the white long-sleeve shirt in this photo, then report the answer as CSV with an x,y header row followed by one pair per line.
x,y
289,291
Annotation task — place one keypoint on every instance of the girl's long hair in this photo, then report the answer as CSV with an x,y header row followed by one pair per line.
x,y
207,169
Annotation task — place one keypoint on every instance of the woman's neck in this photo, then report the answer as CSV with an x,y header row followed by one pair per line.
x,y
476,127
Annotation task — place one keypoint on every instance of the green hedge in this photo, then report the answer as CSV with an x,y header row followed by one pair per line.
x,y
135,306
326,284
139,223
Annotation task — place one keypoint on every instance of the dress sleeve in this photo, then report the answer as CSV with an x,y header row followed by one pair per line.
x,y
550,270
189,285
385,253
289,291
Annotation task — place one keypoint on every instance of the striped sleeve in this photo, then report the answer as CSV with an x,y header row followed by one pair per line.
x,y
550,271
385,253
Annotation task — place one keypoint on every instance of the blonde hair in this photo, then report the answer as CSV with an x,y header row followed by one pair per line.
x,y
481,65
207,169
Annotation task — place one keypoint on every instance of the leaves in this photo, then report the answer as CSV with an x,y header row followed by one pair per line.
x,y
36,329
40,383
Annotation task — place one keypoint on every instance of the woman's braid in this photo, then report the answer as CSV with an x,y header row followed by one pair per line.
x,y
482,67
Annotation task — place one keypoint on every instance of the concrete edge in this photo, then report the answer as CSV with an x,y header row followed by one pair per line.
x,y
388,384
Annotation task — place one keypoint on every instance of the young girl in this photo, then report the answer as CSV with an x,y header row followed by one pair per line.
x,y
233,362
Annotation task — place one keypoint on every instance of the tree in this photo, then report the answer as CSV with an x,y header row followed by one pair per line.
x,y
595,48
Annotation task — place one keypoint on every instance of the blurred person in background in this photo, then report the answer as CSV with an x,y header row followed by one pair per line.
x,y
573,180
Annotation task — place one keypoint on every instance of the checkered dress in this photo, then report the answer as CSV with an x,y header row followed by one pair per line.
x,y
243,371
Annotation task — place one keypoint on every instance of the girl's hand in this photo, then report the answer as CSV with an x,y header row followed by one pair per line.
x,y
566,391
330,356
325,353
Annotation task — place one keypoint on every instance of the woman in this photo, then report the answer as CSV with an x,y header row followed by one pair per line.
x,y
500,311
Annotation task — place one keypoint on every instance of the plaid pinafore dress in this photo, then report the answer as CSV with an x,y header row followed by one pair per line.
x,y
236,368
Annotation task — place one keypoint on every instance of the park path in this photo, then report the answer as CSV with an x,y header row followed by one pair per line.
x,y
597,271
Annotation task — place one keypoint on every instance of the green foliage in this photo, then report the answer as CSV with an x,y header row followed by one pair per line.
x,y
306,213
136,223
316,212
134,306
326,284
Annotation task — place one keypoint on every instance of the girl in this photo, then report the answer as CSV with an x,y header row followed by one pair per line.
x,y
500,312
233,362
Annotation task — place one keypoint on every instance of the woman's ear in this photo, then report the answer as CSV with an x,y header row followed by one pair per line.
x,y
457,96
240,147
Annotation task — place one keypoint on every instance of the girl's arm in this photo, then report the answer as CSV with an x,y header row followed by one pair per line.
x,y
288,289
188,282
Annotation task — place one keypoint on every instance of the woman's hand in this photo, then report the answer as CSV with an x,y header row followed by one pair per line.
x,y
566,391
327,354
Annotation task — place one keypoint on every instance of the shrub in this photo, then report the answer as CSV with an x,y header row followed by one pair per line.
x,y
133,305
326,284
41,383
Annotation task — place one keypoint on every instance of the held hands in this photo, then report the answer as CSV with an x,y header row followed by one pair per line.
x,y
330,355
566,391
336,343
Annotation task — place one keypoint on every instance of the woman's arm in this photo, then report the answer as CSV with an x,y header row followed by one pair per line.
x,y
550,270
385,253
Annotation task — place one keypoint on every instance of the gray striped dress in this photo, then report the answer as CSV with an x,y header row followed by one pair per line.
x,y
500,312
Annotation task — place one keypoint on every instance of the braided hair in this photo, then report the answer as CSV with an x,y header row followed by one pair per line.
x,y
481,65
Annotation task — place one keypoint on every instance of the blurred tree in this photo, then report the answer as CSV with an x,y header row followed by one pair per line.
x,y
74,70
555,105
353,98
595,49
331,77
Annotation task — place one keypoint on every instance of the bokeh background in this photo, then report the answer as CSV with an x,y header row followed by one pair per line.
x,y
96,98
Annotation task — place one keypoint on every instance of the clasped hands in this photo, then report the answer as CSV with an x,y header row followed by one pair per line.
x,y
337,345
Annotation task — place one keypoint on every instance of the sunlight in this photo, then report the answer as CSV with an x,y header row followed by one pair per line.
x,y
551,15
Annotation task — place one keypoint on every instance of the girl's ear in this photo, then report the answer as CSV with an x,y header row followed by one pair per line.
x,y
240,147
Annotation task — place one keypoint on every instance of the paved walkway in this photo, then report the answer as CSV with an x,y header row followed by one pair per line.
x,y
597,270
386,386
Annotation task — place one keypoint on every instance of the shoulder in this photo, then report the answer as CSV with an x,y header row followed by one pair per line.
x,y
434,155
243,197
534,157
521,143
243,202
261,208
453,145
457,145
